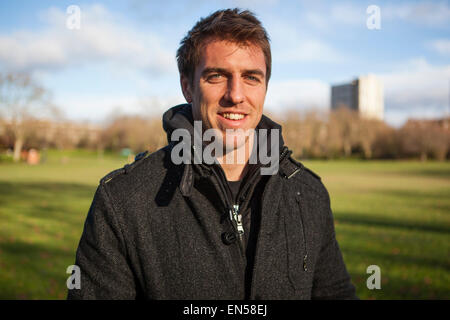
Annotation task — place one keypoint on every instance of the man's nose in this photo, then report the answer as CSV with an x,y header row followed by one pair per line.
x,y
235,91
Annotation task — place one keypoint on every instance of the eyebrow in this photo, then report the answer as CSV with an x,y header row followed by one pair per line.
x,y
255,72
224,71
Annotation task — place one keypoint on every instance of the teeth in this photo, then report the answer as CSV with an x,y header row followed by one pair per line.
x,y
233,116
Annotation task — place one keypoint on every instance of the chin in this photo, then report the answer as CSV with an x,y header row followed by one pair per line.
x,y
235,142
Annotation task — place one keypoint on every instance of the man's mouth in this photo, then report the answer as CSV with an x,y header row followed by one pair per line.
x,y
232,119
233,116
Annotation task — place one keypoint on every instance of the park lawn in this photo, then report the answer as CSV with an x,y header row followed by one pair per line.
x,y
391,214
42,212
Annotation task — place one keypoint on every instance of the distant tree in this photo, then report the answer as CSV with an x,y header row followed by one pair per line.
x,y
369,130
316,132
387,144
345,133
135,132
294,131
21,100
344,124
438,139
425,138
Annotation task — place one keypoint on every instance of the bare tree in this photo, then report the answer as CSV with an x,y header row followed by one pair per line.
x,y
344,124
134,132
369,131
20,101
293,131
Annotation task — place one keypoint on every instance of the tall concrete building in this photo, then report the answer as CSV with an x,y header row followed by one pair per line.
x,y
364,95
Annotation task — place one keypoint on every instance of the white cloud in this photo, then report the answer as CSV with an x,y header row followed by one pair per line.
x,y
299,94
417,88
431,13
309,50
291,45
441,46
348,14
324,16
316,20
102,38
329,16
397,117
252,3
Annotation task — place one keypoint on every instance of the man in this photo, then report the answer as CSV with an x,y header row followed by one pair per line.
x,y
164,229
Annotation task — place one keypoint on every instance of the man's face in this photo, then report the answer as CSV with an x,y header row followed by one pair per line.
x,y
229,88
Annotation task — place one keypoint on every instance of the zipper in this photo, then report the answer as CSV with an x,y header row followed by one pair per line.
x,y
237,217
236,221
305,257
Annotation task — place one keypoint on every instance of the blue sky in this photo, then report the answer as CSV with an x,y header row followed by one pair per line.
x,y
122,59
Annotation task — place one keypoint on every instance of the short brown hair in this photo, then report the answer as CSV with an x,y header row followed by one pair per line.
x,y
235,25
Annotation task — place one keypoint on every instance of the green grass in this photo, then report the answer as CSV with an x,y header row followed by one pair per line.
x,y
392,214
42,211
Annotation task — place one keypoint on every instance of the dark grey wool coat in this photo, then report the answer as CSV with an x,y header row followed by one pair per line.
x,y
157,230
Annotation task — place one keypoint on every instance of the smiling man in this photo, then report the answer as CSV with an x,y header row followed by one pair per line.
x,y
164,229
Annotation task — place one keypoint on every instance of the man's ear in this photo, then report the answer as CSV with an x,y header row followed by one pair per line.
x,y
186,88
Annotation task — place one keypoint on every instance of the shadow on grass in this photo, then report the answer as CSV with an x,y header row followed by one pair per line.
x,y
436,200
398,258
47,200
33,271
406,273
397,280
425,199
398,288
371,220
422,194
41,226
443,173
20,190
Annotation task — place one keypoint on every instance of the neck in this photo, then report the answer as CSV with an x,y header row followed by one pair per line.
x,y
236,169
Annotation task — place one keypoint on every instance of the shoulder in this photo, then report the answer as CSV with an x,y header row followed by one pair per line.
x,y
146,167
298,174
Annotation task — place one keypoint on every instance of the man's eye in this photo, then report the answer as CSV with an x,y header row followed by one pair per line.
x,y
252,78
214,76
